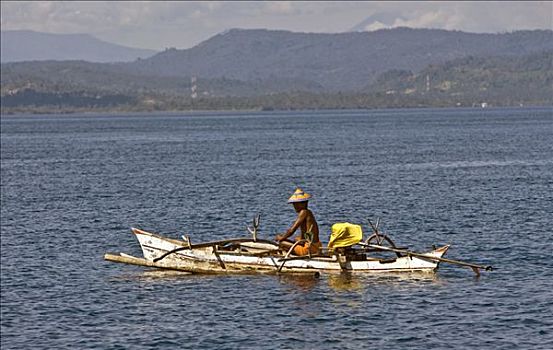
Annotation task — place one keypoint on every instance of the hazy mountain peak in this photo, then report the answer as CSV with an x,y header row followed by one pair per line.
x,y
377,21
28,45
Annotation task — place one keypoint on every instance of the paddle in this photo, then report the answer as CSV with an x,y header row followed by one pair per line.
x,y
475,267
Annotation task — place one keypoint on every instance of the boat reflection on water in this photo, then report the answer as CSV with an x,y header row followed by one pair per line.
x,y
152,275
352,291
155,274
339,282
301,281
354,282
345,282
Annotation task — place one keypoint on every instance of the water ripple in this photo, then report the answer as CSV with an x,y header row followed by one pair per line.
x,y
479,179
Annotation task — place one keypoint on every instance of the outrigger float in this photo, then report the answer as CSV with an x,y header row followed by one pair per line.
x,y
253,255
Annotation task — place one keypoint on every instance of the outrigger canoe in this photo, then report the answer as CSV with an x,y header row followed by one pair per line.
x,y
250,254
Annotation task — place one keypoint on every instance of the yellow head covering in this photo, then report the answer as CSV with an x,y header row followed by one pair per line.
x,y
299,196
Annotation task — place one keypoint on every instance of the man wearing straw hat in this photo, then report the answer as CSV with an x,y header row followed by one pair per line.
x,y
306,223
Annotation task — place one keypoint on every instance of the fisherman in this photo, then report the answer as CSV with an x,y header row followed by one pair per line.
x,y
306,223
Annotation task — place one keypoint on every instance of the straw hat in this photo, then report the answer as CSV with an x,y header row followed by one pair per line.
x,y
299,196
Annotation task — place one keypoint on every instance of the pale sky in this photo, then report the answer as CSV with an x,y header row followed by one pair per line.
x,y
158,25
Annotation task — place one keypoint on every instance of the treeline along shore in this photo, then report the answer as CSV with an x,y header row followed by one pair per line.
x,y
275,70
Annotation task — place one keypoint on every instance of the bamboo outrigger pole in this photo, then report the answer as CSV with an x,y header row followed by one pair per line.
x,y
475,267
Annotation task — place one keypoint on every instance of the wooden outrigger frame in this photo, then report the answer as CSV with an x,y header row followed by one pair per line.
x,y
247,255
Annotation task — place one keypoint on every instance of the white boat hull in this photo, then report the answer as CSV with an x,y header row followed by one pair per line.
x,y
262,257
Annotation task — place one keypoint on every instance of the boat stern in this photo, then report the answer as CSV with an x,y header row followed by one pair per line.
x,y
440,252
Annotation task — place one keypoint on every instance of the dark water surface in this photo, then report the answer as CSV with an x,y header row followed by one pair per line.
x,y
72,186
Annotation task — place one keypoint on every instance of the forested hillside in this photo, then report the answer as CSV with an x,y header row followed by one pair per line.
x,y
503,80
338,62
516,69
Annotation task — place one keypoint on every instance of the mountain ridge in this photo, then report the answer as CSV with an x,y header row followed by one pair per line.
x,y
60,86
338,61
258,69
27,45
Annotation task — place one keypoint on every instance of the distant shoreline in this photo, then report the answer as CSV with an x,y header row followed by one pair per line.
x,y
410,69
115,113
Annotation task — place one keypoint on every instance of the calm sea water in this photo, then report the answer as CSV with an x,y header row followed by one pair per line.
x,y
72,186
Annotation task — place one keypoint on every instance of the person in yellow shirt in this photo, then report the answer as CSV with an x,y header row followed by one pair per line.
x,y
307,224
